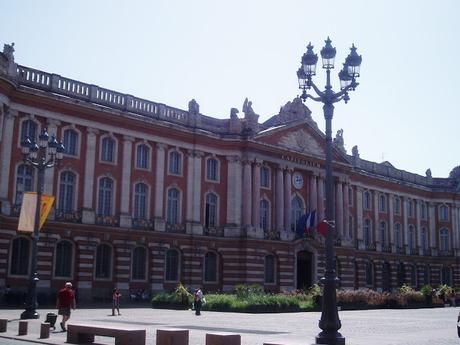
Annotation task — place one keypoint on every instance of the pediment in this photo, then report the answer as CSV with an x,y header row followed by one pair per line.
x,y
301,140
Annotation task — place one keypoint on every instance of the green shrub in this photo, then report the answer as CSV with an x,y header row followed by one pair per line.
x,y
426,290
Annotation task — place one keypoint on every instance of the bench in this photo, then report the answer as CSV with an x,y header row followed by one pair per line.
x,y
77,334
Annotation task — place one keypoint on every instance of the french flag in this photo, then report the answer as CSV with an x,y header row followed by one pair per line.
x,y
305,223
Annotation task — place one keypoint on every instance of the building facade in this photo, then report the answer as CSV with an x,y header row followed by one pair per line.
x,y
149,195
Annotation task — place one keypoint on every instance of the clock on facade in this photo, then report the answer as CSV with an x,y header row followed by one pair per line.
x,y
297,180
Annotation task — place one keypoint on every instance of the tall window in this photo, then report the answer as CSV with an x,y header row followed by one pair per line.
x,y
172,216
397,205
70,142
366,200
423,239
174,163
29,130
382,203
20,256
350,196
443,213
369,274
423,210
413,276
264,177
210,217
66,191
103,261
383,234
398,239
63,259
108,150
270,269
444,240
426,275
24,181
410,208
411,238
367,232
142,156
400,274
264,214
211,169
139,263
296,211
172,265
104,207
446,276
140,200
210,267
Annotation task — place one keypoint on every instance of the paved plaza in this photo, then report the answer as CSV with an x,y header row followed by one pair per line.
x,y
377,327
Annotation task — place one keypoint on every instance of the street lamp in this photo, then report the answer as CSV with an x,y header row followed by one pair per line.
x,y
46,154
329,322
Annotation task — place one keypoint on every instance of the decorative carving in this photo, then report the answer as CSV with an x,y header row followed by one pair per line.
x,y
8,50
249,113
294,110
234,113
455,173
355,152
339,142
428,173
193,107
301,141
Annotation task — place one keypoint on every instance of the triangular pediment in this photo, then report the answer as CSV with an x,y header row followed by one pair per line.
x,y
301,140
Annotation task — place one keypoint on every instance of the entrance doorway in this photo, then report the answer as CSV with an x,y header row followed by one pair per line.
x,y
304,270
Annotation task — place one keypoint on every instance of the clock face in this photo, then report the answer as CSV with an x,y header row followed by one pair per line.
x,y
297,180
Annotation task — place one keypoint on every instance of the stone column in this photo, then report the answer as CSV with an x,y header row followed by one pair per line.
x,y
346,211
359,218
88,215
5,159
339,209
313,193
287,234
320,202
391,231
405,229
234,197
159,221
376,225
279,199
432,225
257,231
418,216
247,198
193,225
455,228
125,217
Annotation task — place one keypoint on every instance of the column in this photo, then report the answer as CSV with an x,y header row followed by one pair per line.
x,y
391,222
159,222
455,229
418,238
247,188
339,209
320,202
197,227
287,199
5,159
346,211
376,227
190,178
279,199
405,225
432,225
359,217
88,215
313,193
256,194
125,217
234,197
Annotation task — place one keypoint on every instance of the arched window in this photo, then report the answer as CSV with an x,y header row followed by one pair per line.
x,y
444,244
211,169
270,269
383,234
366,200
210,216
174,163
20,256
67,192
264,177
63,259
398,239
29,130
108,149
24,182
424,240
423,210
140,200
264,214
297,211
70,142
382,203
104,206
397,205
142,156
172,265
369,274
210,267
103,265
139,263
443,213
367,232
411,239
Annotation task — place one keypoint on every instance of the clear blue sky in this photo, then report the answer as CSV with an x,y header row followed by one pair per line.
x,y
219,52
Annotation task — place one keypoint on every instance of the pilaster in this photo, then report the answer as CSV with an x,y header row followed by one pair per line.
x,y
234,197
279,199
247,198
125,217
5,159
88,215
287,234
432,225
256,231
159,222
359,218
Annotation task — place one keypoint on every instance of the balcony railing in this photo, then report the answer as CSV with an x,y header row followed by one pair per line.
x,y
271,234
68,216
142,223
213,231
386,249
399,250
370,246
176,228
448,252
107,220
413,251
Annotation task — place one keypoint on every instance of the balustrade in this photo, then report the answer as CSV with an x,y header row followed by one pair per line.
x,y
107,220
142,223
68,216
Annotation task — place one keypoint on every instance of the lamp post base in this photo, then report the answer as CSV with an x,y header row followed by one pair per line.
x,y
29,314
330,339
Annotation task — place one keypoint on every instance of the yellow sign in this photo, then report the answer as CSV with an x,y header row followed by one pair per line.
x,y
29,204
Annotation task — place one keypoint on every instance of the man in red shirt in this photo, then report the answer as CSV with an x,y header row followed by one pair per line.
x,y
65,302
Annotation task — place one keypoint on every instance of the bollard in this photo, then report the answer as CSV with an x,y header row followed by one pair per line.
x,y
223,339
3,325
172,336
45,330
22,328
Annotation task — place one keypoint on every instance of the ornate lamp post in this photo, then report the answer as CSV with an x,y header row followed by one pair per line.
x,y
329,322
46,154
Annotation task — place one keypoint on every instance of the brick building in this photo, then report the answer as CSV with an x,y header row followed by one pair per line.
x,y
149,195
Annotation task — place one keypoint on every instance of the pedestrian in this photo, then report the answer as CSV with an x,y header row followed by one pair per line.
x,y
65,302
198,300
116,301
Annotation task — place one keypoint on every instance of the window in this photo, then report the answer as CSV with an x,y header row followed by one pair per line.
x,y
369,274
423,210
366,200
172,216
444,240
411,240
211,169
413,276
264,214
424,239
104,207
400,274
142,156
172,265
103,261
297,210
443,213
426,275
140,200
350,196
446,276
386,276
210,217
29,130
350,226
174,163
139,263
382,203
24,182
367,232
20,256
66,191
70,142
63,259
398,239
264,177
270,269
383,234
397,205
108,150
210,267
410,208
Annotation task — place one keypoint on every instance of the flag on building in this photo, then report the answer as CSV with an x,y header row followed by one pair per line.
x,y
322,228
306,223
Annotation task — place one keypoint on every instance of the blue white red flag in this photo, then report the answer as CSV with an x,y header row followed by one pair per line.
x,y
306,223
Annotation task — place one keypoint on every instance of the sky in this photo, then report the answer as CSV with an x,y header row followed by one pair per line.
x,y
219,52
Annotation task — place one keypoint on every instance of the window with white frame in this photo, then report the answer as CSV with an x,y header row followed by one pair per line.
x,y
20,256
139,263
444,244
264,177
264,214
29,130
108,149
172,216
443,213
210,216
175,165
210,267
383,234
103,266
297,210
270,269
397,205
172,265
67,188
140,201
410,208
142,156
382,203
63,260
24,182
105,197
70,142
212,169
367,232
366,200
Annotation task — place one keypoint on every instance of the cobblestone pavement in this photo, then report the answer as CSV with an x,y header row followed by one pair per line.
x,y
376,327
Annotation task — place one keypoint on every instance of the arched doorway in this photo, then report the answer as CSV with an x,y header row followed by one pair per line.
x,y
304,270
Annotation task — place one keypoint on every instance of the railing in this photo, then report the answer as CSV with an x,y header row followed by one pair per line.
x,y
107,220
399,250
370,246
386,249
68,216
176,228
141,223
271,234
216,231
448,252
413,251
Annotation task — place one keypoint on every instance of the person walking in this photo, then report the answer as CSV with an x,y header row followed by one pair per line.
x,y
116,301
198,300
65,302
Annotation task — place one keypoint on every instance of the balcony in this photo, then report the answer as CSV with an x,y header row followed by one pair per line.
x,y
213,231
386,248
412,251
175,228
67,216
108,220
448,252
142,223
370,246
400,250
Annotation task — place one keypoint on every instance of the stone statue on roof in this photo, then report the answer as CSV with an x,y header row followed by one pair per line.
x,y
339,142
193,107
428,173
8,50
